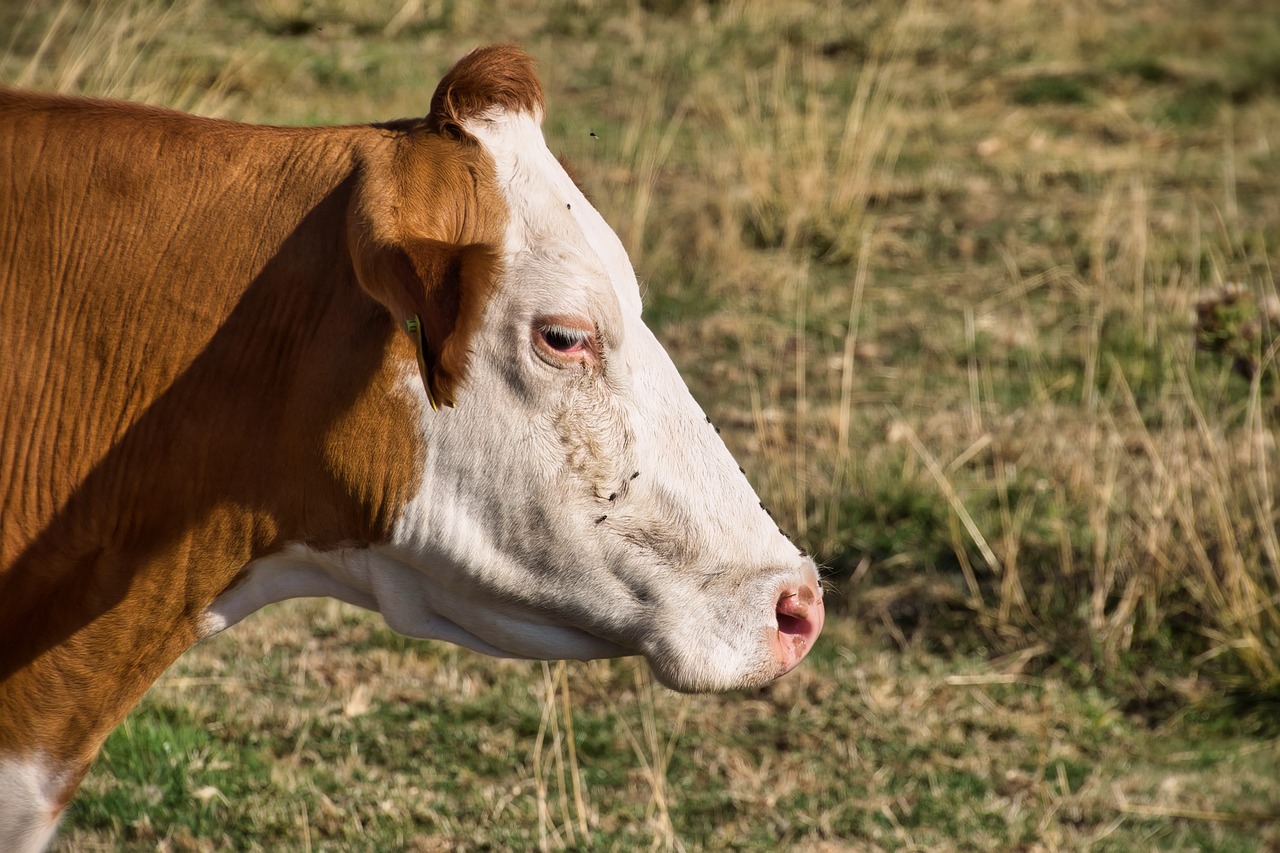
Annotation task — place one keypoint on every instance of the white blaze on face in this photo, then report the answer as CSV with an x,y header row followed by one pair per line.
x,y
577,502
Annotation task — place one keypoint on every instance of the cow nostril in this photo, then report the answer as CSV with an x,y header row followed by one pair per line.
x,y
793,612
788,624
800,615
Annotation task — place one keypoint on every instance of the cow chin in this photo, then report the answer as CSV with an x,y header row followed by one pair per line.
x,y
533,641
517,640
691,657
709,677
716,666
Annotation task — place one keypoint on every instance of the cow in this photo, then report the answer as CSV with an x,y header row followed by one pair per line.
x,y
401,365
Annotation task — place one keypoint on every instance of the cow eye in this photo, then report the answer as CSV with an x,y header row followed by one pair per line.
x,y
564,339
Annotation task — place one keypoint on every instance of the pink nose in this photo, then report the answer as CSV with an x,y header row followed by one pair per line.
x,y
800,618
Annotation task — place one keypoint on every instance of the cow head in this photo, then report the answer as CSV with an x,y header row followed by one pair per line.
x,y
574,500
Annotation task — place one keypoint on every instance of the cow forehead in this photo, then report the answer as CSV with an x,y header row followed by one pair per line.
x,y
549,213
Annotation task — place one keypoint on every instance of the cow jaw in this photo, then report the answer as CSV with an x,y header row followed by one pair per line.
x,y
415,602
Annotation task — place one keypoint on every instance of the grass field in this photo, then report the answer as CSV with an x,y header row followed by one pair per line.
x,y
984,297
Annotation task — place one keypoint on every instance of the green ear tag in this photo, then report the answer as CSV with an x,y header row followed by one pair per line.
x,y
414,327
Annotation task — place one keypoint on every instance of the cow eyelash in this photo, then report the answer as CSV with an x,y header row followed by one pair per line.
x,y
565,339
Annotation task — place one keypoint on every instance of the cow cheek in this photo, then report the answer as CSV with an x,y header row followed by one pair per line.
x,y
593,433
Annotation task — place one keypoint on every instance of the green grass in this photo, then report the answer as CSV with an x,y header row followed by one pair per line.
x,y
163,768
884,749
1052,90
982,299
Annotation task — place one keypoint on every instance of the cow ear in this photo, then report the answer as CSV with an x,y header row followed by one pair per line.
x,y
437,293
488,81
411,251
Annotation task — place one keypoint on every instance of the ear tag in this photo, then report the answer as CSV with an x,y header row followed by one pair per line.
x,y
414,327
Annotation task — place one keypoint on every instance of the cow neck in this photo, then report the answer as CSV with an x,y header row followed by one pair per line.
x,y
256,401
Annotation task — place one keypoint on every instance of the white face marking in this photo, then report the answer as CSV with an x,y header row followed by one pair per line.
x,y
28,791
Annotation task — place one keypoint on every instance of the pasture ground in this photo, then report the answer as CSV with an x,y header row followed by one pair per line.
x,y
983,296
315,727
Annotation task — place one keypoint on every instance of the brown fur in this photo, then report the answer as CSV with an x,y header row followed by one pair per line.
x,y
499,76
194,372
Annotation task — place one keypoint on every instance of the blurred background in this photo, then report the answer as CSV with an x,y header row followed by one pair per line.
x,y
984,297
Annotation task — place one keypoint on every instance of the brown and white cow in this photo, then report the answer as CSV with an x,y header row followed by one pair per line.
x,y
210,402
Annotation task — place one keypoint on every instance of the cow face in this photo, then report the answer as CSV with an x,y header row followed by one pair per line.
x,y
576,502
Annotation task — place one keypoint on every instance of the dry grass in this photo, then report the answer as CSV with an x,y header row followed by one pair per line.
x,y
119,50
